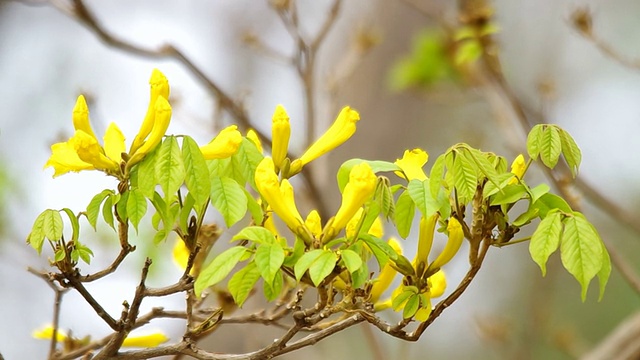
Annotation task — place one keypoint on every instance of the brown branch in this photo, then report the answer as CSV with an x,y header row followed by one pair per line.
x,y
76,284
111,268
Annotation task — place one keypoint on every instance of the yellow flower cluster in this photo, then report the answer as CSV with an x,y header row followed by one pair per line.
x,y
144,341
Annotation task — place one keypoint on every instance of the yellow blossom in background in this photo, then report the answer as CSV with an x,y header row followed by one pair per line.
x,y
314,223
518,167
411,164
361,185
387,274
253,136
280,133
181,254
279,199
159,89
342,129
46,333
145,341
224,145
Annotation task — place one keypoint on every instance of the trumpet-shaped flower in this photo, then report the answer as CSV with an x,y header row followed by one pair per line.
x,y
456,235
425,241
253,136
314,223
84,152
224,145
386,274
279,197
361,185
437,284
518,167
148,340
159,89
342,129
411,164
280,133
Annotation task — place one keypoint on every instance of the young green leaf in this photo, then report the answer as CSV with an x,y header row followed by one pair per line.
x,y
509,194
196,171
273,290
147,174
322,266
242,282
160,236
75,225
83,253
228,197
464,177
36,236
502,180
269,258
219,168
245,161
52,225
254,208
400,300
351,260
533,141
548,202
93,209
538,191
405,211
411,307
305,262
136,207
482,163
571,152
257,234
419,192
121,206
545,240
550,146
219,268
437,172
59,254
605,271
169,169
360,276
581,251
107,210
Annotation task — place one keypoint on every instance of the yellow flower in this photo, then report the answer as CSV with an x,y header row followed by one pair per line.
x,y
80,116
280,133
146,341
181,254
437,284
159,88
270,225
84,152
425,240
376,228
279,197
46,333
314,223
224,145
361,185
253,136
456,235
411,164
342,129
518,167
161,121
386,274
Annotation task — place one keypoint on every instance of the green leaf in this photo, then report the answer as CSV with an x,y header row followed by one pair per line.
x,y
376,167
59,254
405,211
404,266
242,282
93,209
550,146
196,171
121,206
83,253
509,195
399,301
245,161
75,225
254,208
322,266
525,218
534,140
385,200
605,272
52,225
107,210
502,180
581,251
219,268
464,178
160,236
360,276
228,197
272,291
411,307
380,249
305,262
36,236
169,169
538,191
545,240
269,258
219,168
298,250
421,196
482,163
352,261
437,172
571,152
548,202
185,211
136,207
257,234
147,174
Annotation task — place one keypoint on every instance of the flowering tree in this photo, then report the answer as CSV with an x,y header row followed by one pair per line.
x,y
345,263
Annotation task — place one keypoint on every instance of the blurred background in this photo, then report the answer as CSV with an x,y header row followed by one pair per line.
x,y
390,60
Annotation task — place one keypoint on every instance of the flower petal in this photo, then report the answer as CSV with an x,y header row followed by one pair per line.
x,y
114,143
411,164
81,116
342,129
64,159
159,88
224,145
